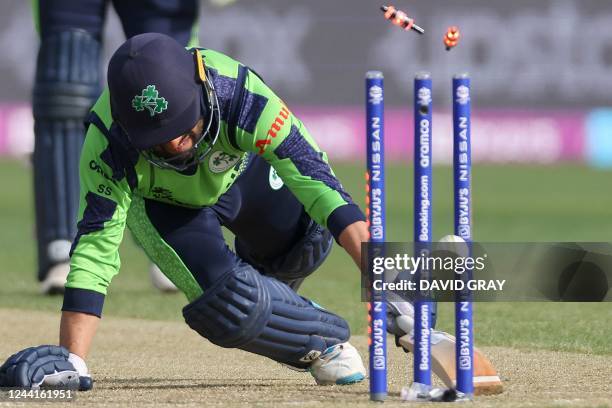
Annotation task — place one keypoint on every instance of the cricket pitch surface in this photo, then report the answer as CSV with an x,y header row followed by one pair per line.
x,y
154,363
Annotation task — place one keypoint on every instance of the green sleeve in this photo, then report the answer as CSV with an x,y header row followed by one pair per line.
x,y
104,203
283,141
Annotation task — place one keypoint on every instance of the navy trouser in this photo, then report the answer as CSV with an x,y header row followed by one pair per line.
x,y
268,221
67,84
172,17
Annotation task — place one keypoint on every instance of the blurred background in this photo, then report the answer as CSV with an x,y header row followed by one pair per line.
x,y
541,70
542,127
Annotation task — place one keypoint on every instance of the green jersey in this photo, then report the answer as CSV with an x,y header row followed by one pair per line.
x,y
254,120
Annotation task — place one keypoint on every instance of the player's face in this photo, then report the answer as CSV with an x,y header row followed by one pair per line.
x,y
181,143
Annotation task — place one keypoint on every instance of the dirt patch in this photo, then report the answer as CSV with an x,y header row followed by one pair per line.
x,y
139,362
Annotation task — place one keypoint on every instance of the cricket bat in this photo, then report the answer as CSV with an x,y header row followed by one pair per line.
x,y
486,380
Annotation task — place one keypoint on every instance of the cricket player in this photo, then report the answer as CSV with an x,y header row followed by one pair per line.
x,y
66,86
182,143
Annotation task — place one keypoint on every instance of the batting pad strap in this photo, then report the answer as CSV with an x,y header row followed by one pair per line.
x,y
264,316
83,301
67,76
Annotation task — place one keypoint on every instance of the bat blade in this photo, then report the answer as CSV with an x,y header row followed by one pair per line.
x,y
486,379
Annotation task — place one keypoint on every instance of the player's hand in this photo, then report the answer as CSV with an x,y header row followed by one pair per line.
x,y
400,317
43,366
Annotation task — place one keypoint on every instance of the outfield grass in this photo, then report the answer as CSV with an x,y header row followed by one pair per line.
x,y
511,203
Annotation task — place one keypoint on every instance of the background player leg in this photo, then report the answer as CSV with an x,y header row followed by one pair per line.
x,y
66,85
175,18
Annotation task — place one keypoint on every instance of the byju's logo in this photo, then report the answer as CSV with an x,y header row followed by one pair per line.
x,y
463,95
464,231
465,363
376,95
377,232
424,96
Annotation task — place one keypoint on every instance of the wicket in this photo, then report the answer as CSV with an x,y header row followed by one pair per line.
x,y
462,175
375,212
422,220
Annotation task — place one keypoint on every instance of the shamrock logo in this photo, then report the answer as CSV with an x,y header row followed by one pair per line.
x,y
224,158
221,161
149,99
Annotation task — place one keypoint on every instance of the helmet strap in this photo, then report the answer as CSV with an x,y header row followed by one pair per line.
x,y
200,65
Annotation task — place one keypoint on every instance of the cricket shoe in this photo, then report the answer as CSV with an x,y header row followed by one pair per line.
x,y
55,279
340,364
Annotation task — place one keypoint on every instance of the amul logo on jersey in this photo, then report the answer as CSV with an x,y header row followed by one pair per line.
x,y
277,125
375,95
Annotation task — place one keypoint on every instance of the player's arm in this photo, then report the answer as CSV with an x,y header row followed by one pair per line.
x,y
105,199
351,238
77,331
282,140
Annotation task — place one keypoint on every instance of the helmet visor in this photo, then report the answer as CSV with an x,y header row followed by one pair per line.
x,y
202,144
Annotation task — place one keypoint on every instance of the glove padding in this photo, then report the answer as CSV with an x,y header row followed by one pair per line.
x,y
400,316
43,366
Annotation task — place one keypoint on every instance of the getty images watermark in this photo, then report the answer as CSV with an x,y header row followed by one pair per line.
x,y
560,272
411,273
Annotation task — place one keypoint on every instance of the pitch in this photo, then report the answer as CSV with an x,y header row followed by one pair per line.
x,y
547,354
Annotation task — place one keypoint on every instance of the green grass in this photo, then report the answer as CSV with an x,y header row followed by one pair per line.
x,y
511,203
